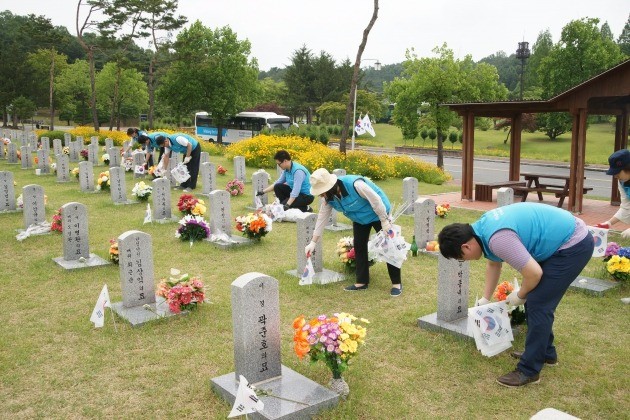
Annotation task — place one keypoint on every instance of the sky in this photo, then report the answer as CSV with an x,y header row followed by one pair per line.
x,y
277,28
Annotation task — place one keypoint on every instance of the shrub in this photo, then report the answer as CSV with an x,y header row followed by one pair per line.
x,y
54,134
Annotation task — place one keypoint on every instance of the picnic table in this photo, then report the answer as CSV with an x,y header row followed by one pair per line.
x,y
533,184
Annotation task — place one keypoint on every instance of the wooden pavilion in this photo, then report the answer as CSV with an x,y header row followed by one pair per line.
x,y
608,93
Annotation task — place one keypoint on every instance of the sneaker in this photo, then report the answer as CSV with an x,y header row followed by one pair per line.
x,y
187,190
548,362
353,288
517,378
395,292
309,209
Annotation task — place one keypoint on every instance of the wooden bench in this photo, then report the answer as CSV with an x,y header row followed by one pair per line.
x,y
483,190
559,191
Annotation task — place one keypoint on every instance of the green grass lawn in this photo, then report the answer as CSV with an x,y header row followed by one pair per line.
x,y
600,140
54,364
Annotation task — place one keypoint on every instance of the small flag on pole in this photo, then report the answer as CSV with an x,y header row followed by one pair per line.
x,y
367,125
359,129
246,400
308,274
147,215
98,314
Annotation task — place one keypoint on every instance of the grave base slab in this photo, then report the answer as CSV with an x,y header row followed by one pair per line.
x,y
234,242
93,261
323,277
458,327
173,219
292,386
338,227
126,202
138,315
593,286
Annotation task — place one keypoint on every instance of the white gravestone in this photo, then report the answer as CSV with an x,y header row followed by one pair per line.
x,y
239,168
42,162
86,177
12,153
410,193
208,178
7,192
138,160
109,143
26,157
46,144
67,138
117,187
76,246
205,157
221,220
505,196
171,165
332,223
34,205
161,196
63,168
93,153
57,148
75,151
80,142
114,156
424,221
257,354
260,181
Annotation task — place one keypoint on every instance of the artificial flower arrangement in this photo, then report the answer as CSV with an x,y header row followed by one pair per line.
x,y
113,251
105,158
65,150
442,210
235,187
254,225
517,314
103,182
53,167
142,191
128,164
189,204
346,253
333,340
19,154
221,170
617,261
76,172
56,224
192,228
84,154
154,172
182,293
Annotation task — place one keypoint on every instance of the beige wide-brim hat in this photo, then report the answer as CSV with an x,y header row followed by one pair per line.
x,y
322,181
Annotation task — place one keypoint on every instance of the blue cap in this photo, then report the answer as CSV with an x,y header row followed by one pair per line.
x,y
618,161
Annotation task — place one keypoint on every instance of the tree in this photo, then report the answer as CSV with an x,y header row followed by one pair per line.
x,y
122,93
624,38
23,108
223,79
299,79
540,50
331,112
272,92
73,89
507,68
47,66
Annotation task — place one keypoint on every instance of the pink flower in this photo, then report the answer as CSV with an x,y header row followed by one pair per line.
x,y
174,307
351,254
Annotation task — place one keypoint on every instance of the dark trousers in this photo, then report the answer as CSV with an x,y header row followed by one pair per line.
x,y
150,161
283,191
361,238
559,271
193,168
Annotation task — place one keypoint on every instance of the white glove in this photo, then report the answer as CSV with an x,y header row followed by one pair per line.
x,y
308,250
625,234
514,300
482,301
187,159
387,227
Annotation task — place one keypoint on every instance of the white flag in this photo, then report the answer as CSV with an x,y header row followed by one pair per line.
x,y
98,314
359,129
308,274
246,400
367,125
600,238
147,215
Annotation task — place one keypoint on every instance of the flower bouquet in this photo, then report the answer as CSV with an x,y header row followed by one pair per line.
x,y
76,172
53,167
346,253
154,172
332,340
517,314
113,251
56,224
105,158
84,154
442,210
235,187
183,293
65,150
617,261
128,164
254,225
189,204
142,191
221,170
192,228
103,182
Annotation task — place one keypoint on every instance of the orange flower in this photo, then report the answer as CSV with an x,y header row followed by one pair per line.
x,y
298,322
503,290
301,348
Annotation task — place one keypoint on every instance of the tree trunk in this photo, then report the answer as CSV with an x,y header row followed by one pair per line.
x,y
355,79
52,88
440,149
93,89
116,99
151,88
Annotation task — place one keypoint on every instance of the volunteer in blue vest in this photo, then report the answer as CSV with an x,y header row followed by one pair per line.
x,y
133,133
361,201
620,168
149,143
190,148
548,246
293,188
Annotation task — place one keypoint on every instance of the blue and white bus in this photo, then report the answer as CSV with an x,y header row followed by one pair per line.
x,y
243,125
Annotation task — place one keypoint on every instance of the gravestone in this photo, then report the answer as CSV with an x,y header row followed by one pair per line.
x,y
3,148
257,355
109,143
114,156
32,141
94,140
279,171
260,181
221,220
7,192
63,168
57,147
135,253
452,296
117,187
86,177
75,151
12,153
80,142
138,160
505,196
208,178
332,223
34,210
239,168
127,148
205,157
42,162
424,221
46,144
593,286
161,196
410,193
93,153
76,246
171,165
26,157
67,138
305,227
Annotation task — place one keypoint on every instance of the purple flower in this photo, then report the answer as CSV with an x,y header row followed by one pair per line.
x,y
330,348
612,249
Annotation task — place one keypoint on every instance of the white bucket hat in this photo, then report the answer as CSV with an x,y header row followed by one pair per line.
x,y
322,181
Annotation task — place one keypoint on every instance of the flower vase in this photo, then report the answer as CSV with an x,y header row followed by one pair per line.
x,y
339,385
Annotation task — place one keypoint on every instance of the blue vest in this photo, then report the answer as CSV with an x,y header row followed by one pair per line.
x,y
355,207
152,139
290,173
134,138
625,188
542,228
178,148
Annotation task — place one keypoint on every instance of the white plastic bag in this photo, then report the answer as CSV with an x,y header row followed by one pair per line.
x,y
180,173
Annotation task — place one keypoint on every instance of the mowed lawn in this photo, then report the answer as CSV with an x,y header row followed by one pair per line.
x,y
54,364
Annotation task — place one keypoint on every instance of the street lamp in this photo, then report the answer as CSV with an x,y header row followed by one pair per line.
x,y
377,67
522,53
